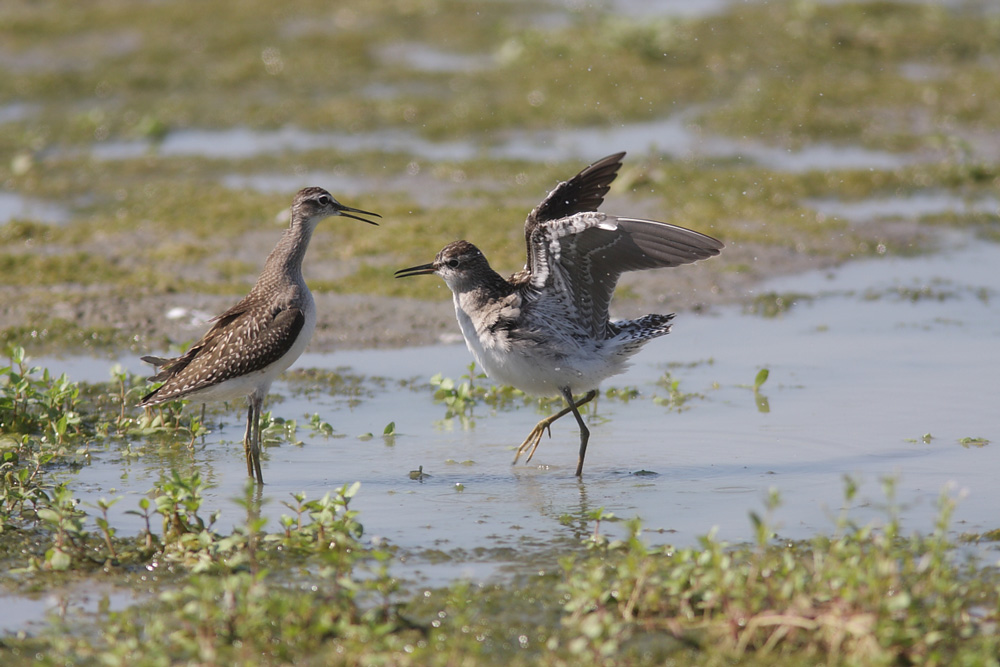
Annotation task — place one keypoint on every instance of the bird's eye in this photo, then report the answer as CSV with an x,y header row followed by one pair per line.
x,y
452,263
323,200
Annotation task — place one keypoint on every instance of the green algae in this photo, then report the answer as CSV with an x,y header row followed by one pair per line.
x,y
897,77
790,71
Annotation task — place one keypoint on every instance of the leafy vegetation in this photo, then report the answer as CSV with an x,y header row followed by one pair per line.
x,y
675,399
461,397
864,595
313,588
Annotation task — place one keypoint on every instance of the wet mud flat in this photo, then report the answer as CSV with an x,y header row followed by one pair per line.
x,y
99,317
858,205
851,354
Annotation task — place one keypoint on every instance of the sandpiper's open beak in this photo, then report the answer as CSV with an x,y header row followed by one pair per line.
x,y
421,270
347,210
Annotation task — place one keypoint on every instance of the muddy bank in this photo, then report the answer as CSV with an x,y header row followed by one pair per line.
x,y
71,319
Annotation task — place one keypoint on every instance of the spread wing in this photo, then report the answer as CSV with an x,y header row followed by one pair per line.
x,y
580,258
580,194
242,340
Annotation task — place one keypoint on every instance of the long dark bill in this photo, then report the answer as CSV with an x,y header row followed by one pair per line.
x,y
347,210
422,270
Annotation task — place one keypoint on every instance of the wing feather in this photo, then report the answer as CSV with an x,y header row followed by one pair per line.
x,y
580,194
580,258
240,342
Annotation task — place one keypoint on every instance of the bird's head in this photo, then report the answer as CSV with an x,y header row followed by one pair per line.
x,y
458,263
314,204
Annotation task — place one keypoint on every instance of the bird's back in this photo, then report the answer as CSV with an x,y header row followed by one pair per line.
x,y
246,348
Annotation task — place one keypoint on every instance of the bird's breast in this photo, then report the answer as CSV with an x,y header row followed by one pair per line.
x,y
537,361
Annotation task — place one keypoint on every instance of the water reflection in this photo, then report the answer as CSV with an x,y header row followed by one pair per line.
x,y
17,207
25,612
675,136
859,371
911,206
425,58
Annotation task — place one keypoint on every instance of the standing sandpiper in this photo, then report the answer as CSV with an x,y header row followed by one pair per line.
x,y
257,339
545,330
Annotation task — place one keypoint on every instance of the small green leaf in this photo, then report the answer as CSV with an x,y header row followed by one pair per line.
x,y
58,559
761,378
49,515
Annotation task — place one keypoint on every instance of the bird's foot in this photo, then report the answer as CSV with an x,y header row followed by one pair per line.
x,y
533,439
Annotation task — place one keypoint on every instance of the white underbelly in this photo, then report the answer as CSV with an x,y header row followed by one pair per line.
x,y
537,370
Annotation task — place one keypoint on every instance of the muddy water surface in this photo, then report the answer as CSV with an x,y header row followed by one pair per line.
x,y
866,362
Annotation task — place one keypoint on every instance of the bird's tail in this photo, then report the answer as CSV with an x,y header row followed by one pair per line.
x,y
633,334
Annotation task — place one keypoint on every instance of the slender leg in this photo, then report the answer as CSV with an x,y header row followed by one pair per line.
x,y
258,403
535,437
248,435
584,431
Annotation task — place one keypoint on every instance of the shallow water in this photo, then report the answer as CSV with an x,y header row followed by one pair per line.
x,y
912,206
652,9
868,359
674,136
16,207
425,58
77,602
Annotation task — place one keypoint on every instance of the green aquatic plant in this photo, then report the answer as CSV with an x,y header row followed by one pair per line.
x,y
275,430
186,536
762,402
35,403
328,517
228,600
315,381
63,517
675,399
419,475
319,426
759,379
178,499
865,595
462,396
623,394
472,389
772,304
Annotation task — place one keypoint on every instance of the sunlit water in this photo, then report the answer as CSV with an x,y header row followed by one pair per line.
x,y
674,136
911,206
869,359
15,207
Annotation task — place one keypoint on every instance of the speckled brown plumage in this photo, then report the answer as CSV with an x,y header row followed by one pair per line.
x,y
248,337
253,342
